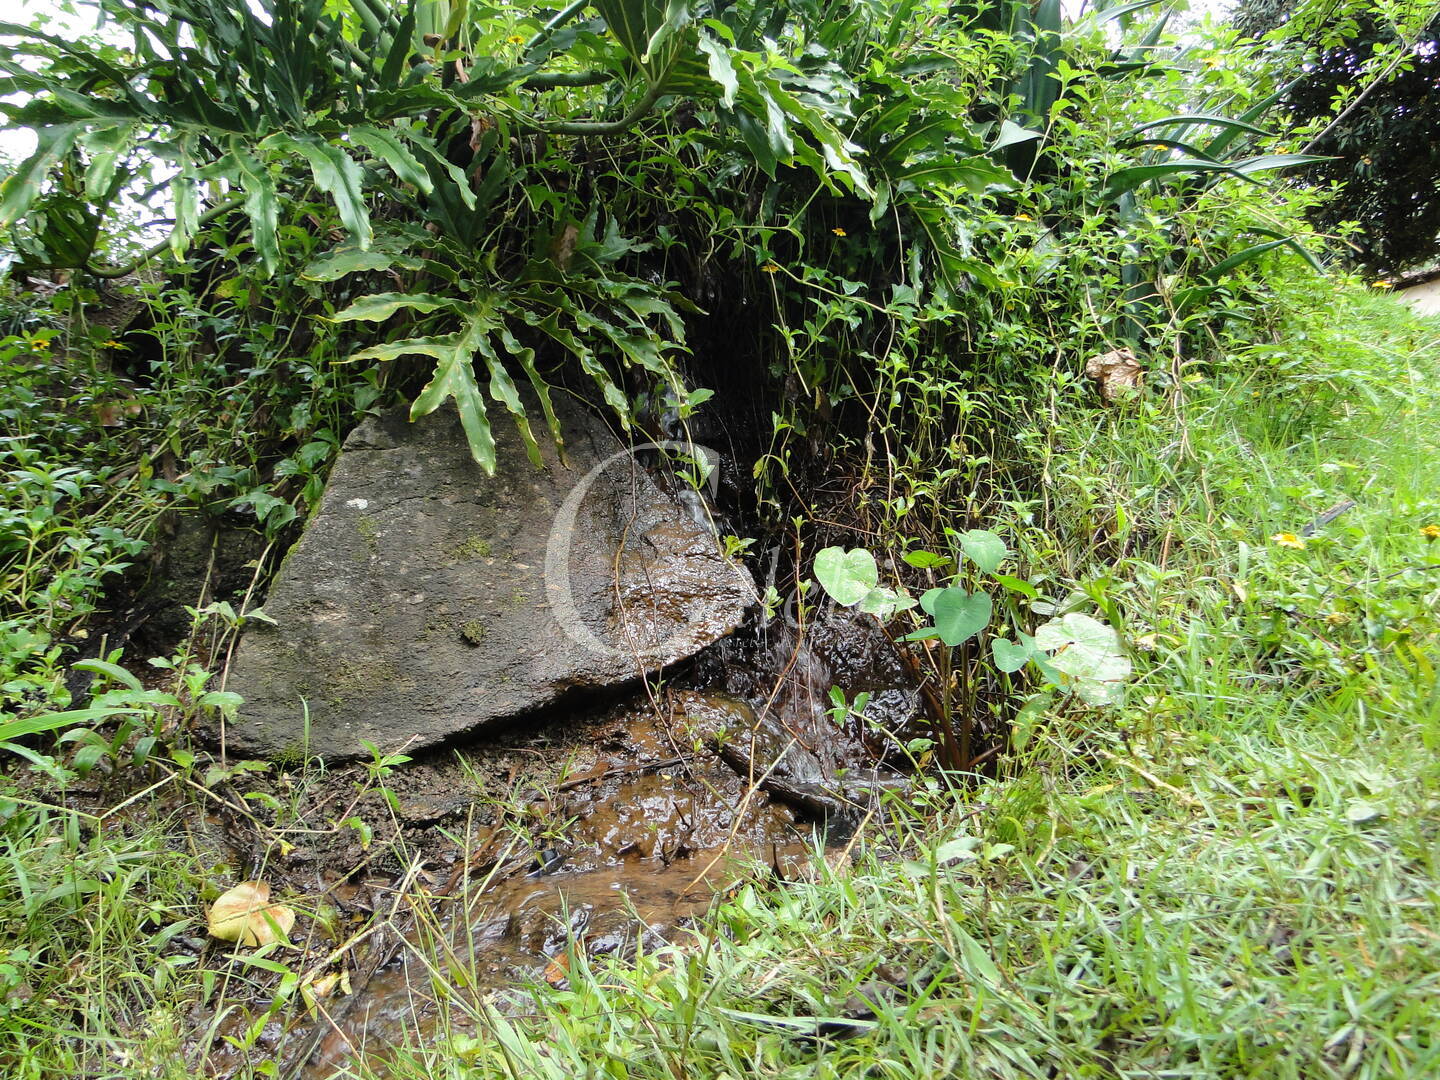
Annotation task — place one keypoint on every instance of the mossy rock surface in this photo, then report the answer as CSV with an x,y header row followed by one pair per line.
x,y
426,601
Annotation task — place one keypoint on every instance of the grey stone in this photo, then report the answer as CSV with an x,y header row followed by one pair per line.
x,y
426,601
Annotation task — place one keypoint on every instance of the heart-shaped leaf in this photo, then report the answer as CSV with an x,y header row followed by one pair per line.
x,y
1088,656
1011,655
245,915
959,615
984,549
883,603
846,576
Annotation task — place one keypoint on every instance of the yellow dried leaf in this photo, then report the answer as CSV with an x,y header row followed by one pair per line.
x,y
317,990
245,915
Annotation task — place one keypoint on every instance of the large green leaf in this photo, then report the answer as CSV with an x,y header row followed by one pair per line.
x,y
1184,120
959,615
454,378
336,174
23,186
260,205
380,306
646,30
846,576
395,154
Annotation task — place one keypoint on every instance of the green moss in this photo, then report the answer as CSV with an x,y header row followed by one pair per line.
x,y
472,547
473,632
369,532
354,680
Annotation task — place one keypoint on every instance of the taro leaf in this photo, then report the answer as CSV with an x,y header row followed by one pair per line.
x,y
984,549
883,603
959,615
1012,656
1087,652
380,306
925,560
847,576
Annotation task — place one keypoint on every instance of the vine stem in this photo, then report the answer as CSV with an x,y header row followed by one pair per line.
x,y
145,256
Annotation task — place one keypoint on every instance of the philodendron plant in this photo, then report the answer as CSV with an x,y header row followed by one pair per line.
x,y
1073,653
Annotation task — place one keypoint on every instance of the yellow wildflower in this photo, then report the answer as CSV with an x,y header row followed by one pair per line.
x,y
1336,618
1384,283
770,268
113,344
1023,217
838,231
1431,532
515,39
1289,540
40,343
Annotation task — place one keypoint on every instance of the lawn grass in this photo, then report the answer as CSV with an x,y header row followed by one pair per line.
x,y
1235,875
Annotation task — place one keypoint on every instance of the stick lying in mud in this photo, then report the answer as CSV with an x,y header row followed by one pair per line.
x,y
818,800
807,797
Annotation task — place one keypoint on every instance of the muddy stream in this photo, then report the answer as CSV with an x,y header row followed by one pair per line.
x,y
615,825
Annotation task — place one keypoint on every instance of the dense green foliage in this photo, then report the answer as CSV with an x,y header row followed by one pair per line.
x,y
1382,67
894,165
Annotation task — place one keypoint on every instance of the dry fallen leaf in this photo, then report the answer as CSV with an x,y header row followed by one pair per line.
x,y
317,990
558,970
245,915
1117,372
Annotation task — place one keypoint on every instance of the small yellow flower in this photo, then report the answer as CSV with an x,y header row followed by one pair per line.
x,y
839,231
113,344
770,268
1384,283
1211,62
1023,217
40,343
1289,540
515,39
1431,532
1336,618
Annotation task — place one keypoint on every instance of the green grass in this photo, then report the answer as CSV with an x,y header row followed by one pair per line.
x,y
1235,875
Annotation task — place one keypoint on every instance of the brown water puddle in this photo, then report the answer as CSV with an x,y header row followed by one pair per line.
x,y
517,932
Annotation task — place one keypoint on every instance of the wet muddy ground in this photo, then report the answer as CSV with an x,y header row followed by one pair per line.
x,y
610,824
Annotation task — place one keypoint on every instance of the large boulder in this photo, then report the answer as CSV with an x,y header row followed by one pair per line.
x,y
426,601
